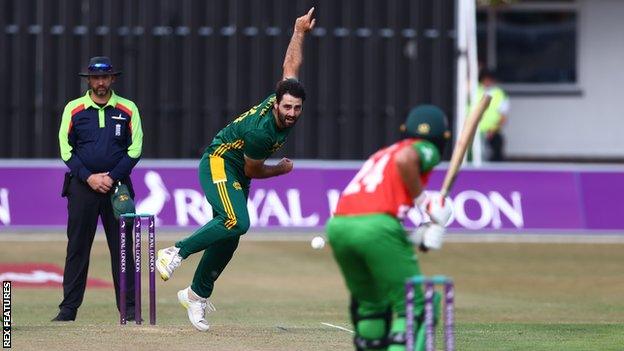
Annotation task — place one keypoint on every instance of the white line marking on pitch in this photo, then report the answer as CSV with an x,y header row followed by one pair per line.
x,y
337,327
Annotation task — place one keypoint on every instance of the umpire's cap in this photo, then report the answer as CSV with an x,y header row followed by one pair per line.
x,y
427,122
99,66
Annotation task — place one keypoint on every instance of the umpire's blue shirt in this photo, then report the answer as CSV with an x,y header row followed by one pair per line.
x,y
96,139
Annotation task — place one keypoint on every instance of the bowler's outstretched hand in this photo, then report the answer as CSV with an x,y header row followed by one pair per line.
x,y
306,22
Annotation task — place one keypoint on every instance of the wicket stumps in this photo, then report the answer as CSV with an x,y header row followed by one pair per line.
x,y
136,218
428,284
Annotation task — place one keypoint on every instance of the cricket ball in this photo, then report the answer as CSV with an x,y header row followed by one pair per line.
x,y
317,243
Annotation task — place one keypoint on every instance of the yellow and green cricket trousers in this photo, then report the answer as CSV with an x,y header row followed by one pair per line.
x,y
218,239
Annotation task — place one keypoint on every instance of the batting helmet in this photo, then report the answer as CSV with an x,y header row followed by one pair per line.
x,y
427,122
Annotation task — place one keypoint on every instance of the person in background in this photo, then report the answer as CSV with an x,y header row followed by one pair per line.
x,y
494,117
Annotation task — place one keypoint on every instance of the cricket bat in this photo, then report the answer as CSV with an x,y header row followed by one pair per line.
x,y
463,142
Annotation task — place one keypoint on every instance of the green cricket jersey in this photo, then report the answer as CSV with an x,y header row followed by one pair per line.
x,y
254,134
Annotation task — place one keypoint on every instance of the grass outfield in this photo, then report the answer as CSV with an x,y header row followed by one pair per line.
x,y
274,296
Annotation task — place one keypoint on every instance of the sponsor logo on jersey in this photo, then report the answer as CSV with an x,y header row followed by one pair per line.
x,y
276,146
427,153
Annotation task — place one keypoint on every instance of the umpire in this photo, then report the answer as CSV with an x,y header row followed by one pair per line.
x,y
100,140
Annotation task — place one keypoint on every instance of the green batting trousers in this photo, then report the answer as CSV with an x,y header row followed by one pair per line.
x,y
375,259
218,239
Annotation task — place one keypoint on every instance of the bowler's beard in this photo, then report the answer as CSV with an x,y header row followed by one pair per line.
x,y
285,123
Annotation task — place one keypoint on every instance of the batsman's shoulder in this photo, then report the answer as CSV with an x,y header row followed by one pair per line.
x,y
428,154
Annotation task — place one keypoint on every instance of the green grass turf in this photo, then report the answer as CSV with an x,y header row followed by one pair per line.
x,y
274,296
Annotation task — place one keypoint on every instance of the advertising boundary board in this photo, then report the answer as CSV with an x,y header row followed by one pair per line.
x,y
501,199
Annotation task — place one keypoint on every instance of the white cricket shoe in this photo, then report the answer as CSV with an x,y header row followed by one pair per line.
x,y
196,309
167,262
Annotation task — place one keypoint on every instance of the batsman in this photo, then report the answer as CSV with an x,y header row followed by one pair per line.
x,y
374,252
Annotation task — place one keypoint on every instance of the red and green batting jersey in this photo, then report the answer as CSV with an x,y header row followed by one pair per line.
x,y
378,186
253,134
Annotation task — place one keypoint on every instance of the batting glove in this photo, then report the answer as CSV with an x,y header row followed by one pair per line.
x,y
439,209
428,236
